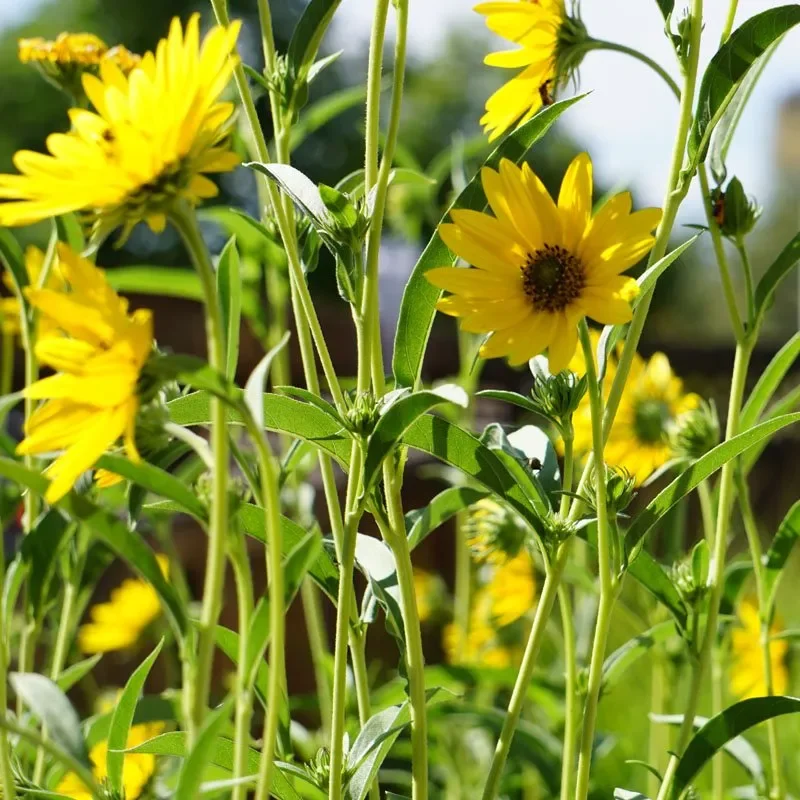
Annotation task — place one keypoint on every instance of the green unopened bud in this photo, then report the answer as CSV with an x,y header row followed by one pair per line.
x,y
319,768
150,421
349,221
689,577
695,432
556,397
620,490
682,41
494,533
363,414
734,212
557,529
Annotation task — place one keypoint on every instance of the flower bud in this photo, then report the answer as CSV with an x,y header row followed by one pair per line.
x,y
363,414
620,490
734,212
691,574
494,533
696,431
556,397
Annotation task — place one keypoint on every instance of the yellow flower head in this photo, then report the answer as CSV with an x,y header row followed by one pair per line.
x,y
137,768
512,589
493,532
477,647
152,135
652,401
540,267
92,400
747,670
119,623
429,591
9,307
546,37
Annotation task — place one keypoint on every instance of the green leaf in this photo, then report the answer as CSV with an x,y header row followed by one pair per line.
x,y
666,7
220,754
196,762
123,717
697,472
229,290
340,208
77,672
777,271
624,794
512,398
313,399
647,280
376,561
39,549
305,554
179,282
51,705
307,36
321,64
71,232
455,446
721,731
418,306
779,551
726,128
624,657
423,521
251,235
302,190
324,111
111,531
769,381
14,261
396,420
157,481
730,66
254,388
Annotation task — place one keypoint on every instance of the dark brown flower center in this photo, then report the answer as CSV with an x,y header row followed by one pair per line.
x,y
553,278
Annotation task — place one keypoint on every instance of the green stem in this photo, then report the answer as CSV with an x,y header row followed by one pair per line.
x,y
677,187
656,742
270,495
6,775
346,568
722,259
378,179
747,268
318,645
569,469
185,222
570,705
397,540
717,704
6,364
765,612
729,20
244,689
717,567
553,574
599,44
706,511
606,567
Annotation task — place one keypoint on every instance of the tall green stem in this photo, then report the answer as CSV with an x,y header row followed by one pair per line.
x,y
553,574
729,20
571,689
717,566
657,745
397,540
186,224
756,557
244,688
6,776
606,567
6,363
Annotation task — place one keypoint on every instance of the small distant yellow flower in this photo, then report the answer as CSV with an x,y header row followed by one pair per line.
x,y
653,399
747,670
546,35
539,268
9,307
153,135
479,646
137,768
119,623
92,400
429,591
512,589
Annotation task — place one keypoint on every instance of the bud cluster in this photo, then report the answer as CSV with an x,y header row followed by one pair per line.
x,y
696,431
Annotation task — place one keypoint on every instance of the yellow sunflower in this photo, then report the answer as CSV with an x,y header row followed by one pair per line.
x,y
92,400
137,768
652,402
152,135
747,670
546,36
478,646
430,592
512,589
74,49
119,623
9,307
494,534
539,267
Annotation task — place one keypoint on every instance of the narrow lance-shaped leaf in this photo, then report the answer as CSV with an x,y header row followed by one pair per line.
x,y
418,306
780,550
730,65
300,188
776,272
307,35
178,282
229,289
769,381
697,472
423,521
254,388
722,729
123,717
